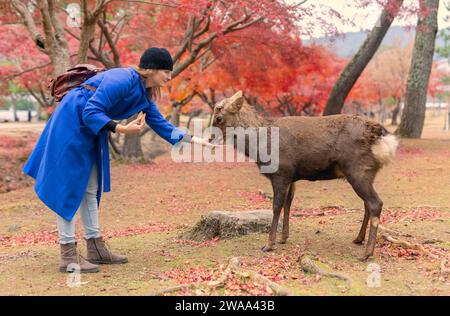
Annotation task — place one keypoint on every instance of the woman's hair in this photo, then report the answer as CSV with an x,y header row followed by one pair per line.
x,y
152,92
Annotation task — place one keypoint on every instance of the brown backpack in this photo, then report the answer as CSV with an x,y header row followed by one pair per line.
x,y
73,77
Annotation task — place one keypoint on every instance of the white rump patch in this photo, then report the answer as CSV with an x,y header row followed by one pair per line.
x,y
384,149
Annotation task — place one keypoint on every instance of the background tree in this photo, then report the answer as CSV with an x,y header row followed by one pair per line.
x,y
413,115
365,53
444,51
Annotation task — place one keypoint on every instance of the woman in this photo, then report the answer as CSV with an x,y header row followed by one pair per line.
x,y
70,161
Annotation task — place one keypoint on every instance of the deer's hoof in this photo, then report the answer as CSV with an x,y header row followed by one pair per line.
x,y
358,241
266,249
365,258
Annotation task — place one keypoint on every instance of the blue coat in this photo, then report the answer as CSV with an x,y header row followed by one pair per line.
x,y
73,139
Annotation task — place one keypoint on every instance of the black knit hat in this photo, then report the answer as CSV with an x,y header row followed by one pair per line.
x,y
156,58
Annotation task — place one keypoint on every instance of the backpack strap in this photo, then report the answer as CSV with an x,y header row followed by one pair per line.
x,y
86,86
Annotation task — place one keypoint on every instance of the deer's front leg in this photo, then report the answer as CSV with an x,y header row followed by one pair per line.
x,y
287,209
280,188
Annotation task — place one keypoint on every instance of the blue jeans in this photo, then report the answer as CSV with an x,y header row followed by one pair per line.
x,y
89,214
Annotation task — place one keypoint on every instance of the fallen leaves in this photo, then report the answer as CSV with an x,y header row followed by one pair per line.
x,y
397,251
32,238
14,151
139,230
402,215
51,237
212,242
255,197
412,250
22,254
410,151
192,275
234,279
323,211
276,267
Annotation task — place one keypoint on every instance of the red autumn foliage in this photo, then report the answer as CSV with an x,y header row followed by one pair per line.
x,y
389,216
208,243
276,267
14,151
308,213
266,58
234,285
51,237
254,197
397,251
192,275
410,151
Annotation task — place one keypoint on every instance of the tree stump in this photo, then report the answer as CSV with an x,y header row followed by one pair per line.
x,y
225,224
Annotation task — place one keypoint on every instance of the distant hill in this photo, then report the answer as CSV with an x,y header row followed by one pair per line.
x,y
347,45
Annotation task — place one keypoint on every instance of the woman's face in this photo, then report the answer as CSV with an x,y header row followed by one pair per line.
x,y
157,78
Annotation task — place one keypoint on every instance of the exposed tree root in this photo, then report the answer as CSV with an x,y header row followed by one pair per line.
x,y
308,265
392,232
444,268
276,288
232,264
232,268
406,244
175,288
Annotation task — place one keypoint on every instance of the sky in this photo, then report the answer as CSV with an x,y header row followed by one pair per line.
x,y
364,18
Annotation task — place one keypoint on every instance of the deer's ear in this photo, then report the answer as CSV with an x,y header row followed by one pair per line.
x,y
234,104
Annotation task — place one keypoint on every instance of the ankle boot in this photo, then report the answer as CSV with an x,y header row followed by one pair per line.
x,y
72,261
98,252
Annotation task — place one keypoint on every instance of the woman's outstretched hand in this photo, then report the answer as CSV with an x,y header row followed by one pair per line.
x,y
134,127
204,142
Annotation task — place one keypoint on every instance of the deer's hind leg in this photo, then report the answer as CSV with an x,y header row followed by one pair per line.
x,y
362,232
362,183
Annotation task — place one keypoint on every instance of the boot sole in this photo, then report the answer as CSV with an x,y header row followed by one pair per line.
x,y
108,262
81,271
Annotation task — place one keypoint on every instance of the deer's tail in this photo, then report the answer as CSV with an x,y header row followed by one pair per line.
x,y
385,147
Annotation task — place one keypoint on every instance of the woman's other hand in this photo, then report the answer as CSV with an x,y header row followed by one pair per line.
x,y
141,118
134,127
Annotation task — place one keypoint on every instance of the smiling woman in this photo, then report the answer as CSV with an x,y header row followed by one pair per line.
x,y
70,161
155,68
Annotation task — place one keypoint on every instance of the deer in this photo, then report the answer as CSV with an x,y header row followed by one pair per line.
x,y
348,147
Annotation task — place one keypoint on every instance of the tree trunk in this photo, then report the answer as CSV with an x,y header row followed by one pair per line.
x,y
14,107
55,42
38,113
447,121
132,147
192,115
365,53
382,116
86,37
395,112
175,115
413,115
132,144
